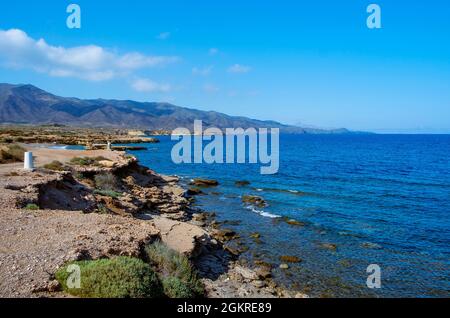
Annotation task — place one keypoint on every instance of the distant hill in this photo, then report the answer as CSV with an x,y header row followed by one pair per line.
x,y
27,104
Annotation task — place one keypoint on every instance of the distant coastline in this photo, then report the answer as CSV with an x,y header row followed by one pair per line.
x,y
38,107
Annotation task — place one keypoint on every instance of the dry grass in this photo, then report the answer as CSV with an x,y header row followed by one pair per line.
x,y
11,153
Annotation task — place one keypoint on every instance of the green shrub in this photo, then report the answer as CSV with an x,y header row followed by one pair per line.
x,y
119,277
106,181
55,166
100,158
32,206
176,288
12,153
175,270
102,209
79,176
108,193
82,161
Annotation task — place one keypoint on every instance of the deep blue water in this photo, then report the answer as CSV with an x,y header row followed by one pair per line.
x,y
381,199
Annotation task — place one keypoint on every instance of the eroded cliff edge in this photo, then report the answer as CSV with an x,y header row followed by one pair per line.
x,y
101,204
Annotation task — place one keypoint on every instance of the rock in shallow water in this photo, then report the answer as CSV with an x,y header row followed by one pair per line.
x,y
255,200
284,266
204,183
290,259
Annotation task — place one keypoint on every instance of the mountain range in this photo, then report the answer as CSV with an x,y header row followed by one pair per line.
x,y
27,104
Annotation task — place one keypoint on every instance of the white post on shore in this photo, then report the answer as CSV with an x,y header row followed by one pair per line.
x,y
28,161
108,147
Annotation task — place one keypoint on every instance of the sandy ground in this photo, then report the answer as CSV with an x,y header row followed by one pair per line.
x,y
45,155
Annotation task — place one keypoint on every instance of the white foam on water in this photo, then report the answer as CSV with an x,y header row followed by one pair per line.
x,y
58,147
263,213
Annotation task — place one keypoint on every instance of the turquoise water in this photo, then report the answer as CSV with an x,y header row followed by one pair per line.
x,y
380,199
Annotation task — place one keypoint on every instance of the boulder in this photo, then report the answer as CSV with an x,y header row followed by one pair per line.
x,y
255,200
224,235
182,237
204,183
194,191
107,163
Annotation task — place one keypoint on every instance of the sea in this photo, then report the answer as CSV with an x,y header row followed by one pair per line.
x,y
359,201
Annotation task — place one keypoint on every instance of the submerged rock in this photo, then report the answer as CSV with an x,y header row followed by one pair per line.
x,y
242,183
194,191
290,259
284,266
295,222
232,222
371,245
224,235
329,246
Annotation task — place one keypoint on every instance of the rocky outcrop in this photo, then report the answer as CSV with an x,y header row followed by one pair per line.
x,y
76,221
204,183
254,200
182,237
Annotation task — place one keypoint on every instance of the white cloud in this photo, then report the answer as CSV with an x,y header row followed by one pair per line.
x,y
237,68
145,85
205,71
209,88
163,36
213,51
90,62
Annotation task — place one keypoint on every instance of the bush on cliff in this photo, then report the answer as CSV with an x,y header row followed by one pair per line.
x,y
108,193
176,288
55,166
12,153
180,279
120,277
106,182
87,161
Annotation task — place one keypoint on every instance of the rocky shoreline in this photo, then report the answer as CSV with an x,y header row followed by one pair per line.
x,y
76,219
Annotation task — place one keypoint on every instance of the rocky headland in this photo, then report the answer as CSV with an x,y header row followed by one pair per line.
x,y
98,204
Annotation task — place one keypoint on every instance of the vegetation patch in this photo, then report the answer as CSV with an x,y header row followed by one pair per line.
x,y
11,153
119,277
106,182
290,259
32,206
108,193
87,161
55,166
180,279
102,209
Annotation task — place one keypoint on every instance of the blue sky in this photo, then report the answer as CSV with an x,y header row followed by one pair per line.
x,y
292,61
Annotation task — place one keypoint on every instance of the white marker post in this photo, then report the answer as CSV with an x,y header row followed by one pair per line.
x,y
28,161
108,146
